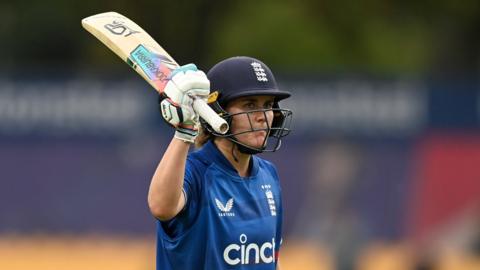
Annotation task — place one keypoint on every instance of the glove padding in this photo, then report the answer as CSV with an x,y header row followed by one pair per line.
x,y
176,101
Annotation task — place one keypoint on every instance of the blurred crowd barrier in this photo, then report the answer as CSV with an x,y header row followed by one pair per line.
x,y
377,174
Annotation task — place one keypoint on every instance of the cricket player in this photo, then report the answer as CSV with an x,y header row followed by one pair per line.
x,y
219,207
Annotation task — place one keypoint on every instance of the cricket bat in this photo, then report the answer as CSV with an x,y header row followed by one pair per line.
x,y
140,51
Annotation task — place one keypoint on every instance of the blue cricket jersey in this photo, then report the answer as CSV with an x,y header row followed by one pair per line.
x,y
229,222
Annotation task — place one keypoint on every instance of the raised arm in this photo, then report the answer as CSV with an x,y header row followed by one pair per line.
x,y
165,195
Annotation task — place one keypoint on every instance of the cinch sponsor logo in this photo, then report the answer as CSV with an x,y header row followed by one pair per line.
x,y
252,253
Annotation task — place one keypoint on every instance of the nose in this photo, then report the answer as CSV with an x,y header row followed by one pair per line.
x,y
263,119
260,117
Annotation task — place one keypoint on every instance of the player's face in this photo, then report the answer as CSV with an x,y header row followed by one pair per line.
x,y
259,121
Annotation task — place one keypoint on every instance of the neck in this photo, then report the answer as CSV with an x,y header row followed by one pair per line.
x,y
239,161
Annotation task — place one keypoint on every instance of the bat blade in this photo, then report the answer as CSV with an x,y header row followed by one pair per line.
x,y
135,46
140,51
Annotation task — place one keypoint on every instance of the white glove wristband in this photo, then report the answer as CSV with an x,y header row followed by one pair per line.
x,y
186,135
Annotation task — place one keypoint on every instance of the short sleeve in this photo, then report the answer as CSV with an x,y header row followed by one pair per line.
x,y
191,189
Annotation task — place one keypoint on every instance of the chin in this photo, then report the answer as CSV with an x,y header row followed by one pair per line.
x,y
255,141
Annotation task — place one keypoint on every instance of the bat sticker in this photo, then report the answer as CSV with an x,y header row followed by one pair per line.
x,y
151,63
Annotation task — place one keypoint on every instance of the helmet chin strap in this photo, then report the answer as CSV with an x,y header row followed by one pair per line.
x,y
247,150
243,148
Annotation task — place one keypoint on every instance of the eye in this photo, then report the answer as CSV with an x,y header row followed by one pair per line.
x,y
268,105
249,105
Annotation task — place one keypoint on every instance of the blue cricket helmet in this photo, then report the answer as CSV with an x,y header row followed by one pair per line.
x,y
244,76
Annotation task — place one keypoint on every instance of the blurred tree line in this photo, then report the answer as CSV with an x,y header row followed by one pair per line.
x,y
412,38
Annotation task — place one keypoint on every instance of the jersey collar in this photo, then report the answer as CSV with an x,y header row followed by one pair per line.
x,y
214,154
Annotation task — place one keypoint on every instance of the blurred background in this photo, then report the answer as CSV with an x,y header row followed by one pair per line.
x,y
382,170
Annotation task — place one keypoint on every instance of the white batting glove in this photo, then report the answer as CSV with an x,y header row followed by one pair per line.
x,y
186,84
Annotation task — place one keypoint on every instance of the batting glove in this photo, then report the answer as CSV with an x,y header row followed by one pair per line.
x,y
186,84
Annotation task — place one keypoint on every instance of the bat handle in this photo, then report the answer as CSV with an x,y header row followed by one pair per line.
x,y
210,116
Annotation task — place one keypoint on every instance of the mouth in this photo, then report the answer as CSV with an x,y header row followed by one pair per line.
x,y
262,133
